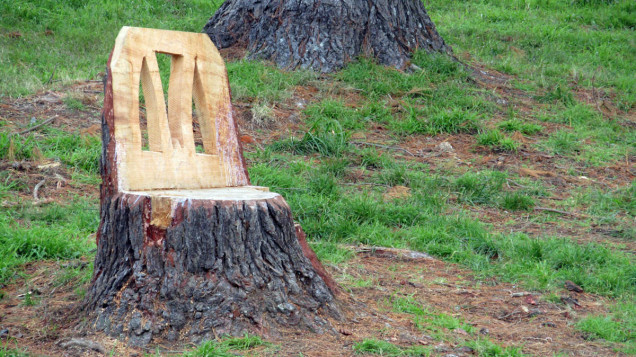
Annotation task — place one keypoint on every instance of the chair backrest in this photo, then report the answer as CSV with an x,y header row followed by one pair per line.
x,y
170,159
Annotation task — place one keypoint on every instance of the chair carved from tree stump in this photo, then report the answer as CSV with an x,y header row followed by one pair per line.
x,y
186,248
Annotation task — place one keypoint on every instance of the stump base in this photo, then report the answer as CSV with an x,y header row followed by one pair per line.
x,y
198,267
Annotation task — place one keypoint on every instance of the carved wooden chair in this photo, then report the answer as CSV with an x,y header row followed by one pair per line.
x,y
186,247
170,161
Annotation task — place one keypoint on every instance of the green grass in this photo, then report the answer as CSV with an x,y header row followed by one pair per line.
x,y
616,208
14,147
384,348
378,347
29,61
325,136
73,103
378,81
79,152
369,158
436,323
227,347
568,46
6,351
557,94
479,187
451,122
9,184
52,231
618,326
76,273
517,202
485,347
331,212
255,80
76,151
350,118
424,97
497,141
563,142
544,263
517,125
441,325
590,138
556,41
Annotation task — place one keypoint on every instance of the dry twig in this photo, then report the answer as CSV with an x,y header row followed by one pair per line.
x,y
517,184
525,293
37,126
37,188
365,184
547,339
83,343
547,209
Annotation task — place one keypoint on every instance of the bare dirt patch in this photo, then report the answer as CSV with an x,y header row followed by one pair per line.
x,y
75,107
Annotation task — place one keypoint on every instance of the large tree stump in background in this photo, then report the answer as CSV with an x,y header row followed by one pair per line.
x,y
325,34
186,248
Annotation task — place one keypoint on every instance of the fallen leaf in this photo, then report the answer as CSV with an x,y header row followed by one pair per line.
x,y
530,300
517,136
93,130
246,139
49,165
345,332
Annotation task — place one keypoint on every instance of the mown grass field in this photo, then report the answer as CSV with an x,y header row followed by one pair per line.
x,y
539,188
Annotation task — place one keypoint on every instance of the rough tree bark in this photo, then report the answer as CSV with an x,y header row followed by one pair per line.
x,y
325,34
197,264
219,267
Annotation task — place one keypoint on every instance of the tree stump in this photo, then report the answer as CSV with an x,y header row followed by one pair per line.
x,y
186,249
325,34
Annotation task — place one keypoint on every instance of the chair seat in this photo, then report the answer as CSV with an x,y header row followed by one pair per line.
x,y
241,193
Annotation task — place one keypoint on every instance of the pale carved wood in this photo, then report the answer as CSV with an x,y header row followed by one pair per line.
x,y
197,74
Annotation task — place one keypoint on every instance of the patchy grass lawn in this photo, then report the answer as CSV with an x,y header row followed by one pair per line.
x,y
515,163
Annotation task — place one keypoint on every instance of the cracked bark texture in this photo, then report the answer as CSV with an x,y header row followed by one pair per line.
x,y
325,34
206,268
219,268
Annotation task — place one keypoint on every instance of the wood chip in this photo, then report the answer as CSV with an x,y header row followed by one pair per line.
x,y
573,287
534,173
